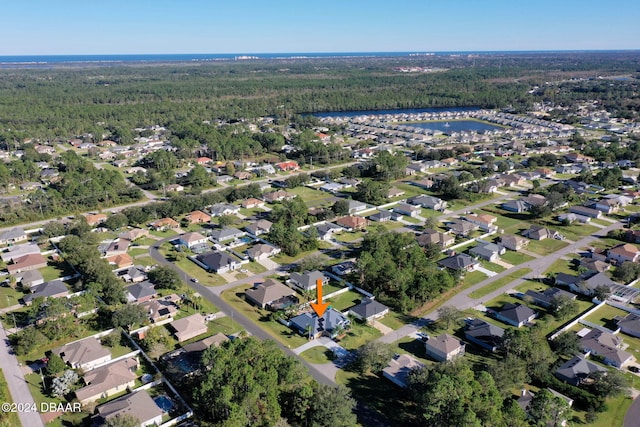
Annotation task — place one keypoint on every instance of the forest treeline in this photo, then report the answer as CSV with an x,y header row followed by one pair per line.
x,y
61,102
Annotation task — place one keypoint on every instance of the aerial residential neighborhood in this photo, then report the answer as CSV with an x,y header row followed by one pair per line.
x,y
463,257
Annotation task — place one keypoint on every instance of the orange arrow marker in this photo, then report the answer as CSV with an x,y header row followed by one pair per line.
x,y
318,306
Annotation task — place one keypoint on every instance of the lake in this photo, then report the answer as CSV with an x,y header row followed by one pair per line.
x,y
383,112
455,126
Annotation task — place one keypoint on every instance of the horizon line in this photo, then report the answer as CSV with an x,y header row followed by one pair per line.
x,y
328,52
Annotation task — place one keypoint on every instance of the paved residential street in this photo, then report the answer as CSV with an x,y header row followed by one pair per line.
x,y
17,385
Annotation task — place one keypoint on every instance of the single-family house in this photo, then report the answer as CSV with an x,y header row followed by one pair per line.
x,y
431,237
585,211
369,310
607,346
218,262
570,218
161,308
395,192
485,334
332,187
352,222
259,227
26,263
516,315
327,230
262,251
459,262
513,242
243,175
226,233
52,289
164,224
517,206
12,236
175,188
199,346
624,252
192,239
333,323
461,228
549,297
444,347
141,292
344,268
120,261
606,206
133,274
272,295
630,324
356,206
287,166
484,221
189,327
398,369
382,216
278,196
408,210
577,370
426,184
220,209
488,251
203,160
428,202
84,354
95,219
17,251
198,217
307,281
138,405
115,247
537,232
134,234
108,380
221,179
29,279
252,203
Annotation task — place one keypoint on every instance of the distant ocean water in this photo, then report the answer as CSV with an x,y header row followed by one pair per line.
x,y
35,60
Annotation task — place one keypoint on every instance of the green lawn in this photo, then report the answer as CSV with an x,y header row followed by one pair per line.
x,y
604,315
358,335
492,267
145,241
546,246
281,258
516,258
575,231
497,284
9,296
145,260
316,355
412,346
7,418
474,277
411,220
345,300
34,383
560,266
54,270
261,318
349,236
163,234
255,267
137,251
310,195
396,320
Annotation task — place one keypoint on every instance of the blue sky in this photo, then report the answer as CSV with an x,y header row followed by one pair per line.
x,y
32,27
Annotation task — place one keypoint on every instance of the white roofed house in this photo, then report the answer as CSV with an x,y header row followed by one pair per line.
x,y
262,251
12,236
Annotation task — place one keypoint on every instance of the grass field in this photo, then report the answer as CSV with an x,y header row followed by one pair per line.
x,y
359,334
516,258
492,267
546,246
345,300
9,296
474,277
604,315
497,284
561,266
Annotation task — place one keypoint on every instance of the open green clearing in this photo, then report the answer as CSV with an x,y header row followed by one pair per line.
x,y
7,418
492,267
516,258
546,246
560,266
474,277
497,284
604,315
